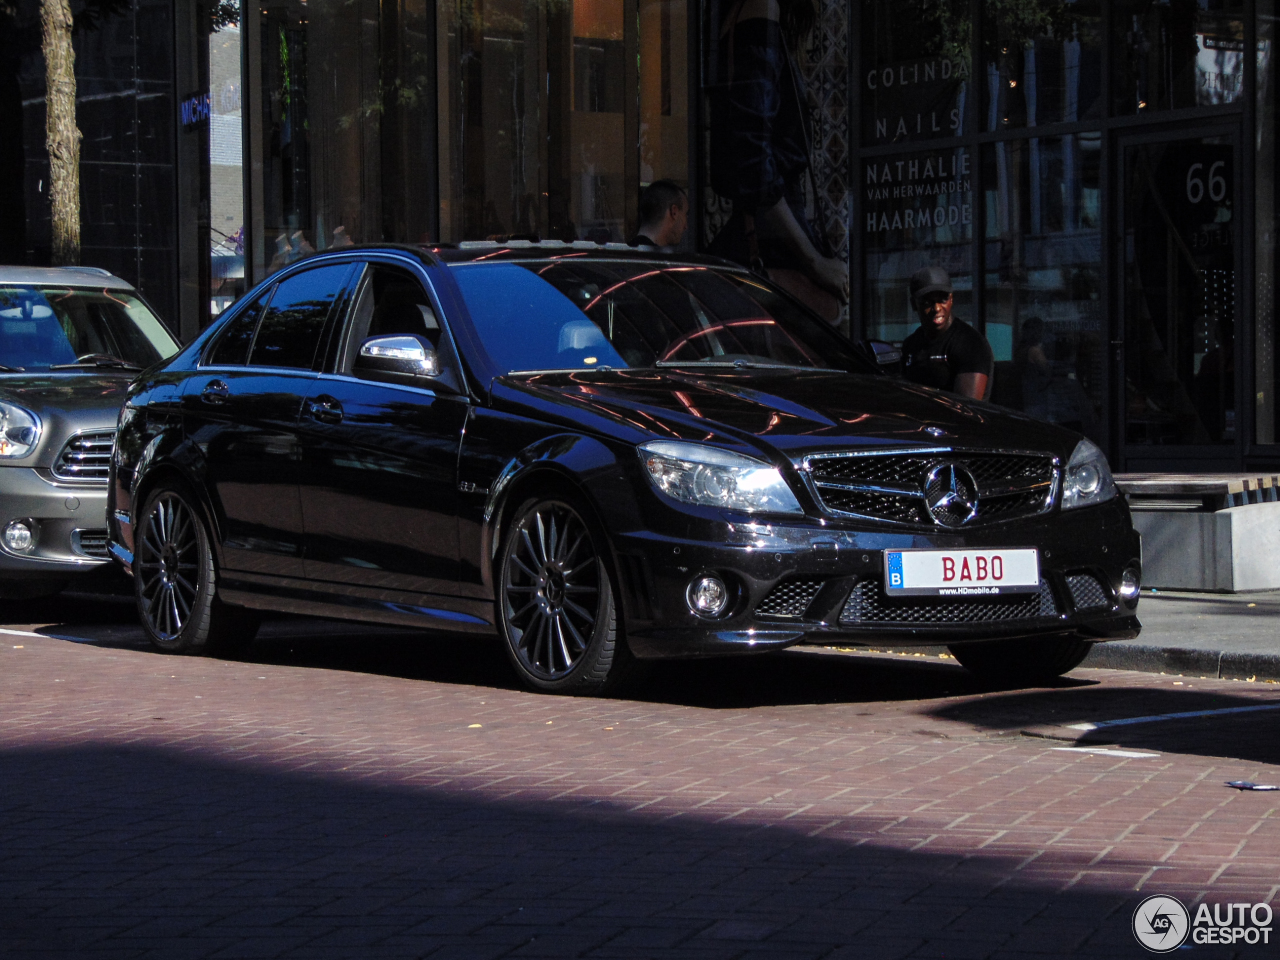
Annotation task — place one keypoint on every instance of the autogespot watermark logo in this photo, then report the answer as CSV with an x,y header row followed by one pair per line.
x,y
1162,924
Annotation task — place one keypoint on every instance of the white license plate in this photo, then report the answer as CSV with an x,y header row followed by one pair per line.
x,y
961,573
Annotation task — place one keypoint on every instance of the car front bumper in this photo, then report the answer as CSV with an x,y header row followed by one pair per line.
x,y
69,522
831,581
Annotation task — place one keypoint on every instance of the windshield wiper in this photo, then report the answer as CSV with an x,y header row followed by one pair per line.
x,y
96,360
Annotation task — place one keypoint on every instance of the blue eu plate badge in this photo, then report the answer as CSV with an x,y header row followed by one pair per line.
x,y
895,570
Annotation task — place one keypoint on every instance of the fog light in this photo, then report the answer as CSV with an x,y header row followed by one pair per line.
x,y
708,596
19,537
1130,585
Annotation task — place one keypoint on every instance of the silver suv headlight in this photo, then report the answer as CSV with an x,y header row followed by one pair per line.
x,y
1088,479
711,477
19,431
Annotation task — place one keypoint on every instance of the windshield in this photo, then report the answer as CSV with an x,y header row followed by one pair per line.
x,y
50,328
575,314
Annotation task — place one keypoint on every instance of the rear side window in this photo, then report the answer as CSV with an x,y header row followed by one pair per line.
x,y
232,347
289,334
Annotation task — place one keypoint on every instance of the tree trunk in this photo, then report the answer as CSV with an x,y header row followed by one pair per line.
x,y
61,132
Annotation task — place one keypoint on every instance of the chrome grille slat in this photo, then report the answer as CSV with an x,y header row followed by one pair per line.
x,y
90,543
86,457
888,485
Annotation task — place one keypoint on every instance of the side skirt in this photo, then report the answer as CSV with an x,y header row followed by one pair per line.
x,y
345,602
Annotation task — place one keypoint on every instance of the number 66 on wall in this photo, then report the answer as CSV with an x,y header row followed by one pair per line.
x,y
1217,183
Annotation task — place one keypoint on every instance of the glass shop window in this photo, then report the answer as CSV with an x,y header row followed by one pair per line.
x,y
917,211
347,125
1045,314
915,69
1042,69
1170,54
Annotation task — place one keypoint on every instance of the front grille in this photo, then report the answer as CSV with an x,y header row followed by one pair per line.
x,y
86,457
90,543
890,486
868,605
789,599
1086,592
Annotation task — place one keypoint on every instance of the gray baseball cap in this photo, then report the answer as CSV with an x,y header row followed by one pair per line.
x,y
930,280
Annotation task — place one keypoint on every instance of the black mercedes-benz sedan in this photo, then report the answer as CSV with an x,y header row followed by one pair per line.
x,y
604,456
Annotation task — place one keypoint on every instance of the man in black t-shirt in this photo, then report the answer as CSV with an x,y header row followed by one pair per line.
x,y
945,352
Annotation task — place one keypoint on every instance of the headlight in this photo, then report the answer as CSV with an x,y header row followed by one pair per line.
x,y
19,431
693,473
1088,480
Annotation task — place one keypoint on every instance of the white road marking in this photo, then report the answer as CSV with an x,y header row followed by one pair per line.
x,y
1109,753
1104,724
22,633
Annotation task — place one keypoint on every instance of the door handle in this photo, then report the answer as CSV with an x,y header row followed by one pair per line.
x,y
216,392
325,409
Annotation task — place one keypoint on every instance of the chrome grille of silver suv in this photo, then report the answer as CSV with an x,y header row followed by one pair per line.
x,y
86,457
892,485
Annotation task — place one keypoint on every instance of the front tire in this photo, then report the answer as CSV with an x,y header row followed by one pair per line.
x,y
1023,662
556,606
175,581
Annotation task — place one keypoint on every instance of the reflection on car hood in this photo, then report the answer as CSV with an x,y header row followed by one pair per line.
x,y
793,412
66,403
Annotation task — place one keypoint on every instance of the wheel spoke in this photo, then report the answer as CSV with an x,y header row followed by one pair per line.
x,y
579,644
542,539
564,648
551,537
569,554
528,544
173,607
583,588
570,605
531,605
520,563
590,561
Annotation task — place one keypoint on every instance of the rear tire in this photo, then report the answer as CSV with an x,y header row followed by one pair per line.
x,y
1022,662
556,606
175,581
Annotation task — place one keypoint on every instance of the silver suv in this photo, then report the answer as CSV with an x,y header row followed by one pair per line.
x,y
71,340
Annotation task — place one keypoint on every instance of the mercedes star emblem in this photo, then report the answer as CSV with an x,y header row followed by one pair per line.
x,y
951,494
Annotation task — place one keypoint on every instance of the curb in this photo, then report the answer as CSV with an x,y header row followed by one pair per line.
x,y
1221,664
1143,658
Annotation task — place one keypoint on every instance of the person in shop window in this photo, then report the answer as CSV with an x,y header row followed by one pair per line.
x,y
944,352
760,138
664,215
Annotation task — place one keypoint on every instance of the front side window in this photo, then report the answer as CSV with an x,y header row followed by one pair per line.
x,y
44,328
588,315
290,331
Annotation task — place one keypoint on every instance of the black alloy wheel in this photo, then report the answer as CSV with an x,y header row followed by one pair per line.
x,y
174,581
555,602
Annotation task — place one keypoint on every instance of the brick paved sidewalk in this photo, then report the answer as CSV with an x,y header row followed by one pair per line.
x,y
394,796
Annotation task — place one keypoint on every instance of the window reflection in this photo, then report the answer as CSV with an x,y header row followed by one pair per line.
x,y
1045,319
1171,54
915,56
1043,63
917,212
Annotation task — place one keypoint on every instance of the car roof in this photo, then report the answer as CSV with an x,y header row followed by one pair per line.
x,y
92,277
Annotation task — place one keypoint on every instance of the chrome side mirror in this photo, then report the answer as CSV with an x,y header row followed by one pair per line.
x,y
400,359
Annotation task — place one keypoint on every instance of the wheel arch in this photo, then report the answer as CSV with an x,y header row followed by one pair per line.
x,y
170,470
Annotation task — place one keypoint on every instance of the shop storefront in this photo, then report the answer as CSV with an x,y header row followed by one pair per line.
x,y
1098,176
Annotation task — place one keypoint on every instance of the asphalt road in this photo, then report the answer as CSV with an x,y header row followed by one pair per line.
x,y
351,792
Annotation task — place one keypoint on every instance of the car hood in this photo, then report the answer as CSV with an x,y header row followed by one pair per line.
x,y
66,404
789,412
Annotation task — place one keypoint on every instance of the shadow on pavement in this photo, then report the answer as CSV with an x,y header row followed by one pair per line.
x,y
1253,736
117,851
